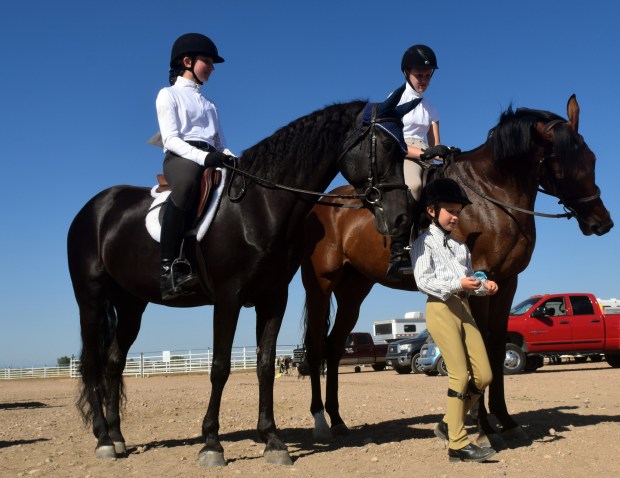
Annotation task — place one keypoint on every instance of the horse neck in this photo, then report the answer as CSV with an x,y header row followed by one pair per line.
x,y
304,154
515,181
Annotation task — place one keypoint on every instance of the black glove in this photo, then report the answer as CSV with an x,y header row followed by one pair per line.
x,y
217,159
433,151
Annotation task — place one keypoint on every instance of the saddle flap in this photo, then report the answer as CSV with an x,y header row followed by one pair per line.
x,y
210,180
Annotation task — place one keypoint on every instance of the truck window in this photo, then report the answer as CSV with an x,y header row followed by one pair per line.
x,y
409,328
581,305
362,340
522,307
556,306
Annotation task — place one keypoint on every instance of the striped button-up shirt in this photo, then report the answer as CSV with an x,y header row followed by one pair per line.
x,y
439,263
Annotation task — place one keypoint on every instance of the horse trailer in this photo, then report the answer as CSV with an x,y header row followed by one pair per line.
x,y
388,330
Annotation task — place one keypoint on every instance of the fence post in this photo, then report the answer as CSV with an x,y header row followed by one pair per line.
x,y
142,364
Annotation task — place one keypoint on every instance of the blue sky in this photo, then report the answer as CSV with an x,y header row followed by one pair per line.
x,y
78,92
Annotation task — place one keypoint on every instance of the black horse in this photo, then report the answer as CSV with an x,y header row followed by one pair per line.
x,y
248,257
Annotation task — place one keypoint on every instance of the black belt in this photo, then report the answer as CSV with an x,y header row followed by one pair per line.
x,y
462,294
203,145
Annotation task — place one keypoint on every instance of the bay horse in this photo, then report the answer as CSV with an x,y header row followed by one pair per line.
x,y
344,257
248,257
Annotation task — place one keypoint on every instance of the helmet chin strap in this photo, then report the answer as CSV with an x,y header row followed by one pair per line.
x,y
436,222
191,69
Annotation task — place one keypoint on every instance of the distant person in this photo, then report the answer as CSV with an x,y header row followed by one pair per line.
x,y
421,131
193,140
443,270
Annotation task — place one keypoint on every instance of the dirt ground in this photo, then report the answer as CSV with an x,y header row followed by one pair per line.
x,y
571,413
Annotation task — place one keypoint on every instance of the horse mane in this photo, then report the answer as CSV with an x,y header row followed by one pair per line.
x,y
303,143
513,135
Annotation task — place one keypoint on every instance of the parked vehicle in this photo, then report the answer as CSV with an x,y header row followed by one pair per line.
x,y
386,331
404,355
360,349
431,361
560,324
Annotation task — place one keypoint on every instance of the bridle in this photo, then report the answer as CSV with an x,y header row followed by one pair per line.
x,y
567,203
373,193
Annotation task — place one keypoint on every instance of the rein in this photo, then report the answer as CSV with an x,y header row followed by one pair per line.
x,y
371,195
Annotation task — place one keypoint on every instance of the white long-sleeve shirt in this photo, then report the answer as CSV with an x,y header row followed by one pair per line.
x,y
418,121
185,115
439,263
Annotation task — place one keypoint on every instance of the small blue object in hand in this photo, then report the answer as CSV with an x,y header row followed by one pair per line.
x,y
480,275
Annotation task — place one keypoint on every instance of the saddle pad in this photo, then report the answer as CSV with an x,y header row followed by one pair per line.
x,y
153,226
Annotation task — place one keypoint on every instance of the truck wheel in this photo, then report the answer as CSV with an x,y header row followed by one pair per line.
x,y
613,360
357,369
515,360
441,367
415,364
402,370
378,367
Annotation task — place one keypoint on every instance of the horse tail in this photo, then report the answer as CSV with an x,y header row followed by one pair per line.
x,y
96,345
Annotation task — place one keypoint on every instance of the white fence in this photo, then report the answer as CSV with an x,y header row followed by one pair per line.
x,y
145,364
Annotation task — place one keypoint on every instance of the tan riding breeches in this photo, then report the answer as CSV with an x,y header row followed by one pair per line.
x,y
455,332
413,171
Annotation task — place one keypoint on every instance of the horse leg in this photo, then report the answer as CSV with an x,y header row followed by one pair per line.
x,y
350,293
225,318
129,316
317,316
269,315
98,324
496,347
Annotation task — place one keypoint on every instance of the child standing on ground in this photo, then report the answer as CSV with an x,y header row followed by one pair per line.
x,y
443,271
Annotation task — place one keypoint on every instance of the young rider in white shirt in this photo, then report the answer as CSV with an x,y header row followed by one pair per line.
x,y
421,132
193,140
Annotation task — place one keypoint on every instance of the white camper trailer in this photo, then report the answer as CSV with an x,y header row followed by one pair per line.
x,y
388,330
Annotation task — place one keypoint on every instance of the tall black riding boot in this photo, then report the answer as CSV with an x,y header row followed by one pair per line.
x,y
400,260
176,273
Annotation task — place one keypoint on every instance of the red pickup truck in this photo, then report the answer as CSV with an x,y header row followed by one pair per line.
x,y
360,349
560,324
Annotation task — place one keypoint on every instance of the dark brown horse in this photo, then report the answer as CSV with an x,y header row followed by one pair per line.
x,y
345,256
248,257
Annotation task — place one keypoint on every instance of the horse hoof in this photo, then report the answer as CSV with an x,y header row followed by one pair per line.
x,y
483,441
211,459
340,430
517,434
120,448
106,451
278,457
322,435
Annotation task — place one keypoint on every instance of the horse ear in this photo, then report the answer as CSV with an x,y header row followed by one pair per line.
x,y
387,108
572,109
405,108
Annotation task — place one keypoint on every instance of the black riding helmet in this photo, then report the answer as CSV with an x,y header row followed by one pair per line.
x,y
418,56
445,190
192,45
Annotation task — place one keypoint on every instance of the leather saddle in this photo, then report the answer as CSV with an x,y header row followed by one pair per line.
x,y
211,179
